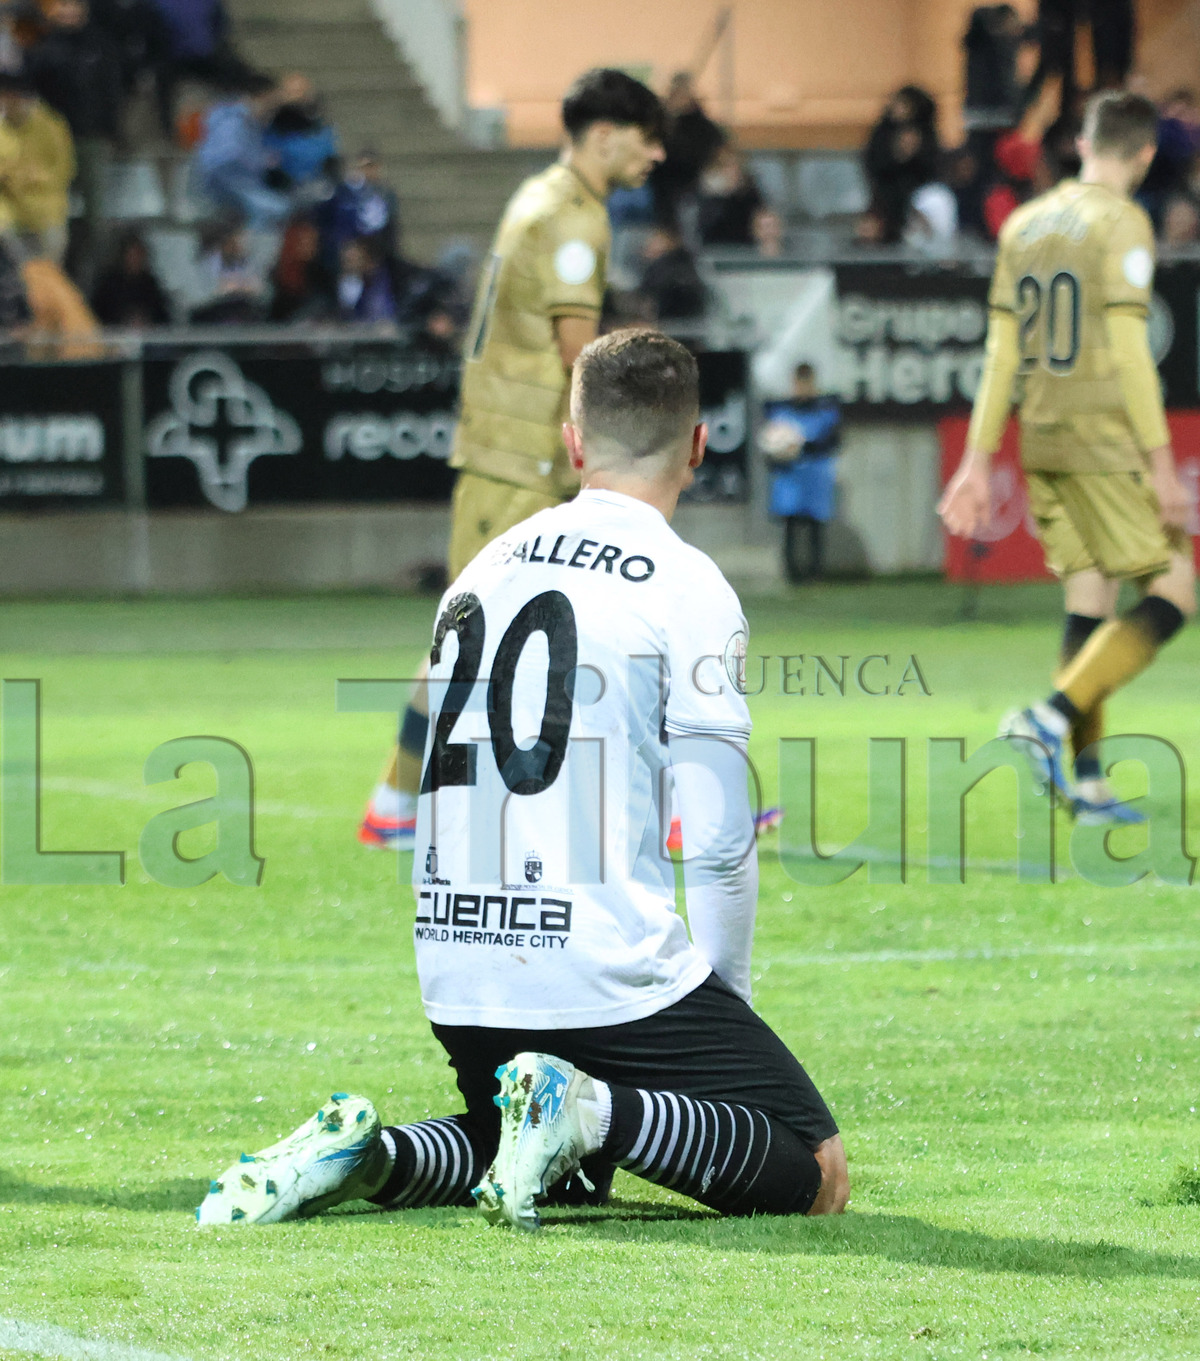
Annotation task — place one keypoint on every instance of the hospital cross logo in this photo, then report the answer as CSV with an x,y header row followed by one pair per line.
x,y
222,423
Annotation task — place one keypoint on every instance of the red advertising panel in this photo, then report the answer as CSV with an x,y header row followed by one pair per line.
x,y
1007,549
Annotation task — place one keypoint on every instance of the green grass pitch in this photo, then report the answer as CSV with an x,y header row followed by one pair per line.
x,y
1014,1066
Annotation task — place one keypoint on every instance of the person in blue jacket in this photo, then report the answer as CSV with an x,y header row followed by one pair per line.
x,y
801,437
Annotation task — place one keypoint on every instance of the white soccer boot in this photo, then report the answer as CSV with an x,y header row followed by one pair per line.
x,y
1039,734
335,1156
1095,805
551,1116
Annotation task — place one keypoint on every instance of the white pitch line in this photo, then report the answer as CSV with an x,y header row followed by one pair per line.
x,y
984,953
44,1339
103,789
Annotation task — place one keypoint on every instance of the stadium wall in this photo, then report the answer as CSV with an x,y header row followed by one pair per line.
x,y
803,75
886,525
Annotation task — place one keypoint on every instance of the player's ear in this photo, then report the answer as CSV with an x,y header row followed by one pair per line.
x,y
699,444
574,443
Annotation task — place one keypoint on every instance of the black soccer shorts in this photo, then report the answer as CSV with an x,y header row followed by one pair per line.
x,y
709,1045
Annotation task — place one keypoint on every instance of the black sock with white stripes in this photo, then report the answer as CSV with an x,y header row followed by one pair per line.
x,y
727,1156
436,1163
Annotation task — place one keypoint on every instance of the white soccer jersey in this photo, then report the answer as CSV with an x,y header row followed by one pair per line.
x,y
565,657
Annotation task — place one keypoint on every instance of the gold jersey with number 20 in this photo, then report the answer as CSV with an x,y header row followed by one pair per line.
x,y
1066,260
548,260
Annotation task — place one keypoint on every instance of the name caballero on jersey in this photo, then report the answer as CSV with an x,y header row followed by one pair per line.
x,y
582,555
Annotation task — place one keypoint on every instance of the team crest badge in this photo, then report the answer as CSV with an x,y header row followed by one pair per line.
x,y
533,867
431,861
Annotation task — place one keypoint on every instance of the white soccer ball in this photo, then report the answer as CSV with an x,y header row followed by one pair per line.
x,y
780,441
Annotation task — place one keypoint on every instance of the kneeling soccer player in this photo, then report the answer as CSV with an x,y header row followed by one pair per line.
x,y
583,661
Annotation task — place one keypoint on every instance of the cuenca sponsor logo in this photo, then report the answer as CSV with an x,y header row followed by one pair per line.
x,y
51,439
368,436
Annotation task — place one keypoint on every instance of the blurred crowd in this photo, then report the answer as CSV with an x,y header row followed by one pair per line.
x,y
297,230
294,231
1021,115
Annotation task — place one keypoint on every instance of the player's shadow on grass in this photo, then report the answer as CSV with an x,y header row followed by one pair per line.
x,y
902,1238
183,1193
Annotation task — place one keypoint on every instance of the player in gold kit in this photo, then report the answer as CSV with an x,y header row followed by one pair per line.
x,y
537,306
1067,340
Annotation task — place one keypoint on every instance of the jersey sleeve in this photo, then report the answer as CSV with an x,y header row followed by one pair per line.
x,y
573,262
706,644
1002,296
1128,270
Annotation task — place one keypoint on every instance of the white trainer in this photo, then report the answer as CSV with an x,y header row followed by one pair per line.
x,y
551,1116
337,1155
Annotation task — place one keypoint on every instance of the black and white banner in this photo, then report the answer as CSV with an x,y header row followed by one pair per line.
x,y
230,428
61,435
910,340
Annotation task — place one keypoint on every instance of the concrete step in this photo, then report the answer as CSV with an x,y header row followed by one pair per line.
x,y
369,80
319,47
252,12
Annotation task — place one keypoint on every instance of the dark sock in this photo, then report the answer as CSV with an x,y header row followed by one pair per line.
x,y
413,731
1077,629
437,1163
1064,706
1161,620
731,1157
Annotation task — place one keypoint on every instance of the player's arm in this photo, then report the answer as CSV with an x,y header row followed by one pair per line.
x,y
720,869
965,504
574,332
573,251
1128,276
708,725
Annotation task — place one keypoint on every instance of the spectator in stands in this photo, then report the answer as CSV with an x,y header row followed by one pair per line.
x,y
965,178
900,156
366,290
691,142
137,33
670,286
993,99
1017,162
64,325
1178,142
238,288
768,231
801,438
1181,221
361,206
233,158
304,288
77,71
128,293
35,184
196,44
932,224
298,135
15,313
728,201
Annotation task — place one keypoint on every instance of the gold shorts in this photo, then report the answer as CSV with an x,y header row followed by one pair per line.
x,y
1107,521
481,509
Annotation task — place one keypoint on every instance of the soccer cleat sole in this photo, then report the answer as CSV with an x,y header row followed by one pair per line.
x,y
387,838
1114,814
278,1183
